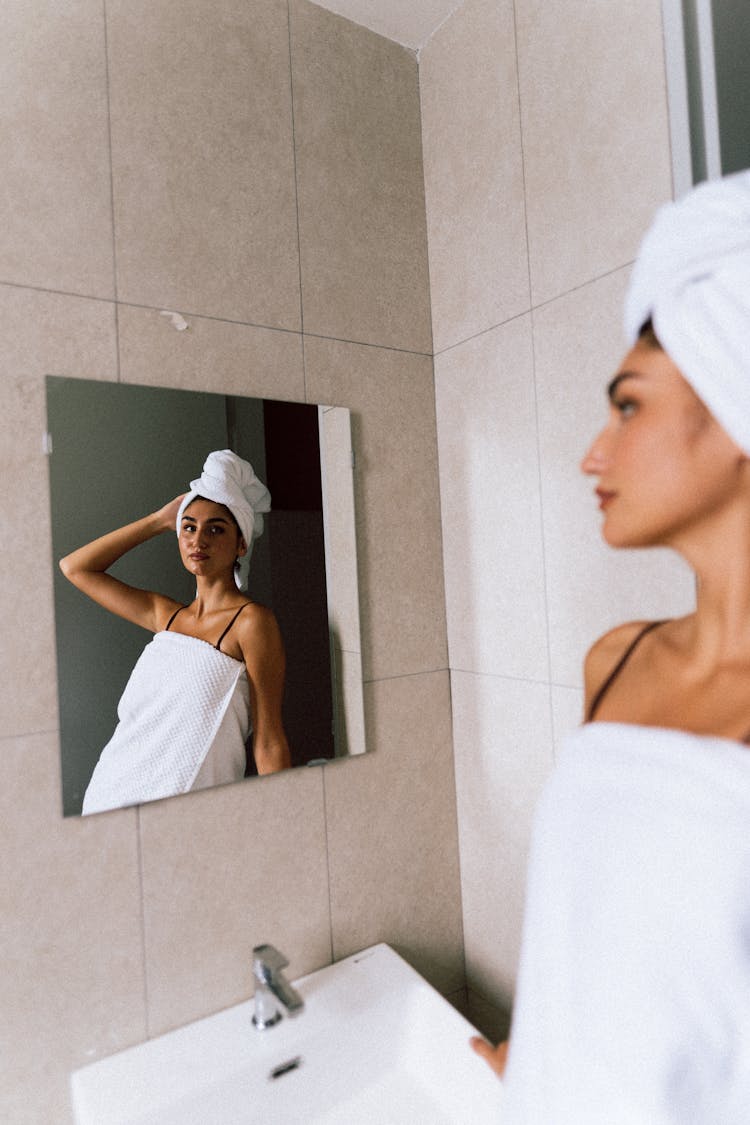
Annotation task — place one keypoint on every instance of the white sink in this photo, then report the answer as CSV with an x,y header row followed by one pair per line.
x,y
375,1045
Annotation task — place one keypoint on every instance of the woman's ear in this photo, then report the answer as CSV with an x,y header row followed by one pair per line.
x,y
241,548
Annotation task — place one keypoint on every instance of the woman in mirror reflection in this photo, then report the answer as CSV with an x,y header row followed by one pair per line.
x,y
633,998
214,669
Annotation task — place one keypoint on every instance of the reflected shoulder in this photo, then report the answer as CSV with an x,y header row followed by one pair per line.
x,y
257,621
164,608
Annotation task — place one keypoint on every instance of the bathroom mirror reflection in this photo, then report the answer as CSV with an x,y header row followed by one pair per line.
x,y
117,452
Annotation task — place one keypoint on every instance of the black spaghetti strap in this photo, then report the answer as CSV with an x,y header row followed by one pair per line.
x,y
618,668
178,610
229,626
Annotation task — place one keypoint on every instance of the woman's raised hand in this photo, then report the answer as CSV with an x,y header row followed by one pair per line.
x,y
87,568
167,516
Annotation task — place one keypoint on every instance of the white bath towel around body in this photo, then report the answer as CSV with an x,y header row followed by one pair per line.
x,y
183,716
633,1003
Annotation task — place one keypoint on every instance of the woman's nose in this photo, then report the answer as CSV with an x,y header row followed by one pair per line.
x,y
595,460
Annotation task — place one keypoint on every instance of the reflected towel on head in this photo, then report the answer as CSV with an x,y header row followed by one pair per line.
x,y
692,279
229,480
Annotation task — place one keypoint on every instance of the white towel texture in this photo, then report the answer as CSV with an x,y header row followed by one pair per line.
x,y
183,719
692,278
633,1002
229,480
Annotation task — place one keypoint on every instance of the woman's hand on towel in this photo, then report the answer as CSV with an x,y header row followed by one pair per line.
x,y
167,516
495,1057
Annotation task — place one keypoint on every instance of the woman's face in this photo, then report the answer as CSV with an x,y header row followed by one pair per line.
x,y
209,540
664,464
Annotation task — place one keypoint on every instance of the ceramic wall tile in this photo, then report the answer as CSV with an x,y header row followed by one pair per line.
x,y
73,985
209,355
489,489
57,212
473,172
363,243
391,819
567,712
391,397
502,733
590,587
202,157
410,24
224,870
595,135
41,333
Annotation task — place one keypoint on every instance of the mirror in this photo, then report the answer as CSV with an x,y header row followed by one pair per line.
x,y
117,452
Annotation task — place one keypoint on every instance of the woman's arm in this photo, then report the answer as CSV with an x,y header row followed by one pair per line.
x,y
263,652
87,568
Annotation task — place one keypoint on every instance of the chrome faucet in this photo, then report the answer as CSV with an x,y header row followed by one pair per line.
x,y
272,990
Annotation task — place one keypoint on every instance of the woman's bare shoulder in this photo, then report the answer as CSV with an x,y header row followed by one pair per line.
x,y
256,614
256,622
606,651
164,609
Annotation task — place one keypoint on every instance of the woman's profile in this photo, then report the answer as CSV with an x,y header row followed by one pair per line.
x,y
633,999
214,669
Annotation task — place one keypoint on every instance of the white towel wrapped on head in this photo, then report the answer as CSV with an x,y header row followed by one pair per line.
x,y
229,480
692,279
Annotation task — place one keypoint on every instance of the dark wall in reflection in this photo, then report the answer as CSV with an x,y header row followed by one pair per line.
x,y
296,575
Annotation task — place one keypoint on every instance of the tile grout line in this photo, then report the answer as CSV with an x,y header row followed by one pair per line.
x,y
213,319
535,307
535,391
111,191
328,860
523,156
139,846
296,198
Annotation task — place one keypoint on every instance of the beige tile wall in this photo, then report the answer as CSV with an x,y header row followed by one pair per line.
x,y
265,170
569,146
202,158
358,149
211,166
479,270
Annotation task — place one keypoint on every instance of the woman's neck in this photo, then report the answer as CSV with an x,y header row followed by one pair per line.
x,y
215,595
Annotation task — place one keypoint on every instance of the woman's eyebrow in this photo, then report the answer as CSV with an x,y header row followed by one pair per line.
x,y
611,389
213,519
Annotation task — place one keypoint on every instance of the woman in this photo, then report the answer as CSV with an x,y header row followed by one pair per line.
x,y
214,669
633,1000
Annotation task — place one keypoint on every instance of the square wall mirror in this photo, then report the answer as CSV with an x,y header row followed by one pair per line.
x,y
118,452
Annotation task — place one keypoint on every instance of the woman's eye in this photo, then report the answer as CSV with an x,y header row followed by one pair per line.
x,y
625,407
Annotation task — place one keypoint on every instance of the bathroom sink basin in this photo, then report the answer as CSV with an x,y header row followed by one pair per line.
x,y
374,1044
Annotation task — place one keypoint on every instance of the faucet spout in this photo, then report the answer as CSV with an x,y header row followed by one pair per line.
x,y
273,991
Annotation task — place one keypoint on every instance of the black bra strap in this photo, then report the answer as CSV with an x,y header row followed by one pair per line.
x,y
229,626
618,668
178,610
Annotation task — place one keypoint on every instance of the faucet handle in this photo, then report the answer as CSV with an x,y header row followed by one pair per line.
x,y
272,989
267,961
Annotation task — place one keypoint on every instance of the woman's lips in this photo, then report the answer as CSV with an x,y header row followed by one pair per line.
x,y
198,556
605,497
